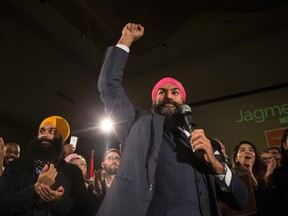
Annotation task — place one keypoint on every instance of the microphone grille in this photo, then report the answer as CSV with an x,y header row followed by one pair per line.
x,y
185,108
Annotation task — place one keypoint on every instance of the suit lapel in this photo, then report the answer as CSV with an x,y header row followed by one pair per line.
x,y
155,143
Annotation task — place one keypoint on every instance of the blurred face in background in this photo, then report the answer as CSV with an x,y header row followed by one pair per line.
x,y
81,163
266,158
276,154
11,152
111,163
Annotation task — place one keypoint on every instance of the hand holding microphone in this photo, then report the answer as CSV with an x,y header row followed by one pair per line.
x,y
188,118
200,144
191,126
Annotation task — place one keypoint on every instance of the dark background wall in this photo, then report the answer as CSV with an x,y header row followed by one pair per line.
x,y
12,130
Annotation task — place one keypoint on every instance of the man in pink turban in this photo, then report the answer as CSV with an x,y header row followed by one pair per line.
x,y
168,80
167,97
164,170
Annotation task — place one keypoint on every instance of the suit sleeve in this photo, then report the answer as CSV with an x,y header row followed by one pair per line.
x,y
117,105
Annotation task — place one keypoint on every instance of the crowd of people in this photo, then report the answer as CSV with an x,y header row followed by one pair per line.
x,y
168,166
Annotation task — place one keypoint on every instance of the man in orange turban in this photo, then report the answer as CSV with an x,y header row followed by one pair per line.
x,y
57,124
43,182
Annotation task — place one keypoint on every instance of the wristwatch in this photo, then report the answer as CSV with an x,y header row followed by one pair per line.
x,y
225,168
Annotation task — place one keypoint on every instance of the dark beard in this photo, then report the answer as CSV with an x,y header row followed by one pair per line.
x,y
173,118
166,111
110,170
52,152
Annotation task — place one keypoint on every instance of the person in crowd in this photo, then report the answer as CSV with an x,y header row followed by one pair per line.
x,y
276,152
266,157
110,165
165,168
42,183
270,163
10,153
246,159
94,198
280,178
80,162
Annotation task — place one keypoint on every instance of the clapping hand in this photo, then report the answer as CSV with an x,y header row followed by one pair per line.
x,y
97,184
45,180
49,195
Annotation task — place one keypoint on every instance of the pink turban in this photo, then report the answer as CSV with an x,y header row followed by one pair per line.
x,y
165,81
70,157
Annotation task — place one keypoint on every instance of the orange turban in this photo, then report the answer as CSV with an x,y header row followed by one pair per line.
x,y
60,124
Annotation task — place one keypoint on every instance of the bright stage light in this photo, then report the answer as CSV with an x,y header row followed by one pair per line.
x,y
106,125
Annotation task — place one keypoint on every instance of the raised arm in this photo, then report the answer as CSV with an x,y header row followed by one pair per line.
x,y
117,105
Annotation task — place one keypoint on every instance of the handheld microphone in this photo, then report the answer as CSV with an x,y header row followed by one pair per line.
x,y
188,118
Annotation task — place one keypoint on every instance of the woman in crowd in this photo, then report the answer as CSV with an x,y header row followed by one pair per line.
x,y
246,159
80,161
